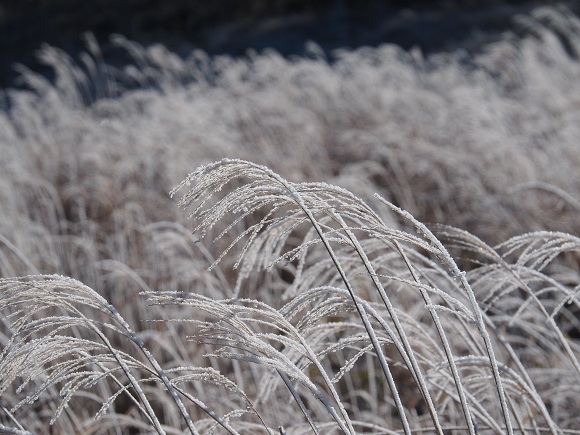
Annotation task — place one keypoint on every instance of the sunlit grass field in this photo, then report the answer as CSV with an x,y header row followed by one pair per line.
x,y
382,242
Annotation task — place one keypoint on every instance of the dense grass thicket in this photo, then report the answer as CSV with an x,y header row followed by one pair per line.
x,y
402,256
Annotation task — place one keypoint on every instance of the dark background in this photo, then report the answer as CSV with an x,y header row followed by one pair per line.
x,y
228,26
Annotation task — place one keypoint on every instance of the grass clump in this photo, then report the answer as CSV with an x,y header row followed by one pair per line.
x,y
326,308
337,322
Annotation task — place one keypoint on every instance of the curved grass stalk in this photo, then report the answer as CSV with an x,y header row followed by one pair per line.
x,y
364,318
477,311
407,346
444,341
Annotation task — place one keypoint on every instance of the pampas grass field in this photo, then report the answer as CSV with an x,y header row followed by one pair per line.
x,y
382,242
